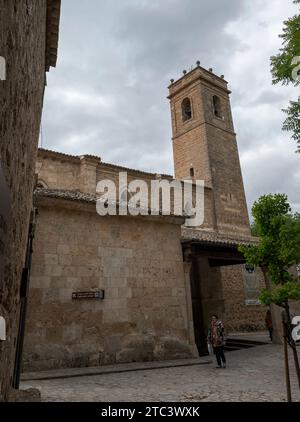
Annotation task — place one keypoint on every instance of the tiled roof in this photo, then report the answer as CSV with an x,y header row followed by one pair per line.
x,y
77,196
65,194
54,154
52,32
213,238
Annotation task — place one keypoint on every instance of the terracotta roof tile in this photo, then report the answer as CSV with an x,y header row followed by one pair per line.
x,y
65,194
214,238
77,196
55,154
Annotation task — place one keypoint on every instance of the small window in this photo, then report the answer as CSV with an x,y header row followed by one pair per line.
x,y
217,107
192,172
186,108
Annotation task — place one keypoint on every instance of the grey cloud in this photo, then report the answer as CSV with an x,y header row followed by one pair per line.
x,y
278,172
269,97
120,56
129,50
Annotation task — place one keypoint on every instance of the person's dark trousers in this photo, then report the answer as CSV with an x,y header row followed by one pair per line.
x,y
271,333
219,352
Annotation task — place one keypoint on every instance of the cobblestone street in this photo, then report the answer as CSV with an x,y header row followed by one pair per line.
x,y
254,374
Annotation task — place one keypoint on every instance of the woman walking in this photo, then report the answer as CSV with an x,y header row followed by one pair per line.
x,y
216,338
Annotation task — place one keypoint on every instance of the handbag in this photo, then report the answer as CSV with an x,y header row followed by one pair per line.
x,y
210,349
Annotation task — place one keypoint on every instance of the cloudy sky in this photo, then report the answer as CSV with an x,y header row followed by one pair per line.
x,y
107,96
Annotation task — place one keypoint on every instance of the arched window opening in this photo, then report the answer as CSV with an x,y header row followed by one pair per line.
x,y
217,107
186,108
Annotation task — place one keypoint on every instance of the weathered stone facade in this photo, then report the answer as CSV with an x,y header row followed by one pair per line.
x,y
144,313
238,316
137,261
24,45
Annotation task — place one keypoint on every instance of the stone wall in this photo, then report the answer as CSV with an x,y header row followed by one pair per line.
x,y
238,316
22,41
31,395
58,174
65,172
28,43
229,196
137,261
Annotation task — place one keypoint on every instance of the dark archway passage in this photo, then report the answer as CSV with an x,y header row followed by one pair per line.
x,y
206,283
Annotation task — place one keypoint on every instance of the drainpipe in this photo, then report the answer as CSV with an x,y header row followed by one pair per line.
x,y
23,300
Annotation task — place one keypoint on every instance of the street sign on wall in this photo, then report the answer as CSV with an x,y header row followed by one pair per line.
x,y
5,210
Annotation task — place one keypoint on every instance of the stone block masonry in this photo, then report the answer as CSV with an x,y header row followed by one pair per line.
x,y
25,40
137,262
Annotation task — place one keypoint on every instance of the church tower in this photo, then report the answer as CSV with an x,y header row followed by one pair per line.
x,y
205,147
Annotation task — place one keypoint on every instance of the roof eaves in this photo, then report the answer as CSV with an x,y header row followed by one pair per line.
x,y
205,238
116,166
77,196
52,32
46,153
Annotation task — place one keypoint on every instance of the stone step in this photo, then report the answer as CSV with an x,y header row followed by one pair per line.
x,y
237,344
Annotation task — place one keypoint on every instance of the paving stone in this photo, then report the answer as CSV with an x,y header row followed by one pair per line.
x,y
252,375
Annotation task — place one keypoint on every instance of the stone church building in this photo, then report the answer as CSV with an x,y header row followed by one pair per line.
x,y
108,289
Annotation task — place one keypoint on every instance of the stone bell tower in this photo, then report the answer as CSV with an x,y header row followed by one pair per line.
x,y
205,147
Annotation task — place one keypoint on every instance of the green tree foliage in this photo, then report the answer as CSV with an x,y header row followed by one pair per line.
x,y
277,251
292,122
282,66
278,248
